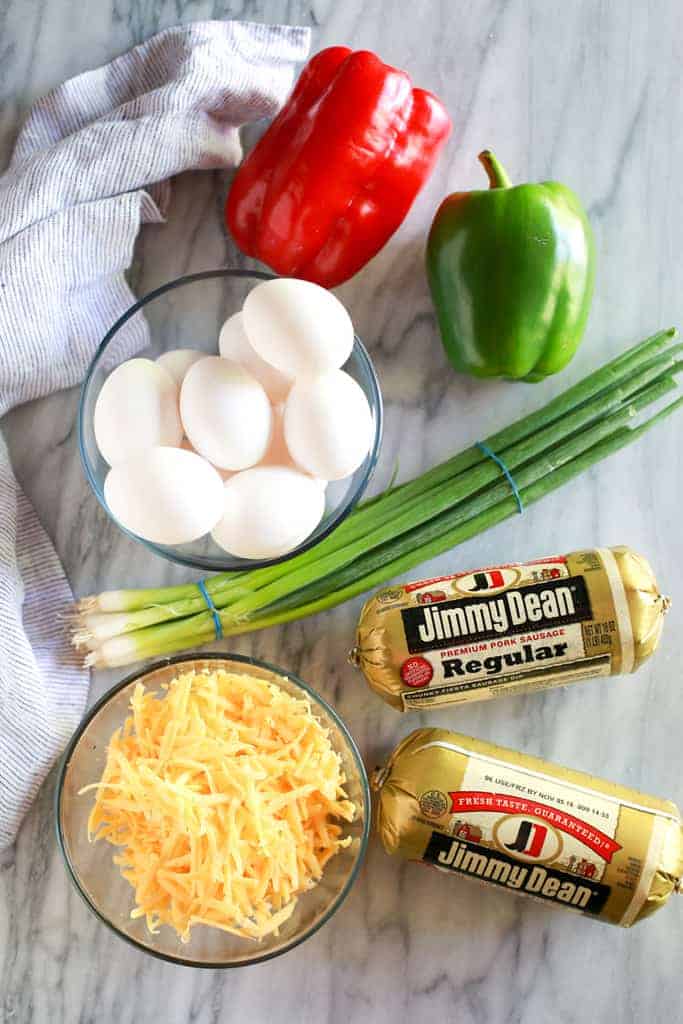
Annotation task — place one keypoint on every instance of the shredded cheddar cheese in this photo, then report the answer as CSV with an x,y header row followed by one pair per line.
x,y
224,795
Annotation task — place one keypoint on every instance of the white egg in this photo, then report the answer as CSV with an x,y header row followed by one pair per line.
x,y
136,408
328,425
224,474
269,510
165,495
226,413
298,326
178,361
278,452
234,344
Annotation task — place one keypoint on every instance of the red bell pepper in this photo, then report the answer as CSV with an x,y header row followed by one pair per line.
x,y
338,169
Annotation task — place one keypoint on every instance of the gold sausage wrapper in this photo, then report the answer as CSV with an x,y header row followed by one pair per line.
x,y
528,826
510,629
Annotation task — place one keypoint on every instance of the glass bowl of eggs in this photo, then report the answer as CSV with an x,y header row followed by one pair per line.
x,y
230,419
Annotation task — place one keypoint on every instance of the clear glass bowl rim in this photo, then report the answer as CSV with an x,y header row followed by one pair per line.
x,y
245,564
315,699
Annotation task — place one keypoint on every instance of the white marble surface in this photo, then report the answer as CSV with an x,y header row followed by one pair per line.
x,y
588,93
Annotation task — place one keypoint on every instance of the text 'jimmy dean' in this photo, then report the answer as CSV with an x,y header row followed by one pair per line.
x,y
538,880
537,606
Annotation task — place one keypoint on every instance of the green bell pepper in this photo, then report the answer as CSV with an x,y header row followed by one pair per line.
x,y
511,272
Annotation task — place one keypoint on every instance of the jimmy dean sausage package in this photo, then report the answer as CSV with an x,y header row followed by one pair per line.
x,y
483,634
528,826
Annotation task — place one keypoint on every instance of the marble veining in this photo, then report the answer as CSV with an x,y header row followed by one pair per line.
x,y
586,93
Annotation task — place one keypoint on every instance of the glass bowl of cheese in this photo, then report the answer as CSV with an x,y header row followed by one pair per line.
x,y
213,811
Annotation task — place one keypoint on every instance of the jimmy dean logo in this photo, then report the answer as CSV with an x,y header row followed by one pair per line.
x,y
536,606
536,880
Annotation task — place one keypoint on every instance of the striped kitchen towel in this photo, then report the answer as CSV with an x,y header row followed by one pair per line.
x,y
90,165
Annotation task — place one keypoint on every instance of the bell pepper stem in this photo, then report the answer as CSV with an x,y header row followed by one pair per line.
x,y
496,172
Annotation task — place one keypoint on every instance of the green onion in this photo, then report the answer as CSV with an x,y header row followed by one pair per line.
x,y
418,544
483,520
406,525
